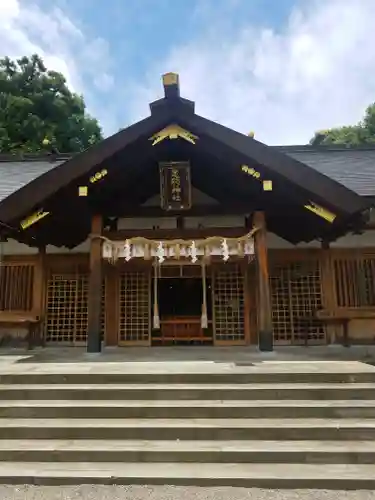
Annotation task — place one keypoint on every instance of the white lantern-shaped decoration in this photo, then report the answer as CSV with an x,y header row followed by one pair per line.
x,y
160,252
193,252
225,250
127,251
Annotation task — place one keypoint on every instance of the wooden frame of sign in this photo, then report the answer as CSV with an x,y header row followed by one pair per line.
x,y
175,185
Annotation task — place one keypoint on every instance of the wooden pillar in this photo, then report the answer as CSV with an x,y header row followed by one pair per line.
x,y
39,291
94,343
328,289
247,290
265,329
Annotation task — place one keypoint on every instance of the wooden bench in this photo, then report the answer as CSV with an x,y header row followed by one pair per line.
x,y
182,330
342,317
25,319
304,322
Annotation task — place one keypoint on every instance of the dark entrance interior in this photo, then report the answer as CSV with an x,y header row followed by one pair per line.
x,y
182,297
180,308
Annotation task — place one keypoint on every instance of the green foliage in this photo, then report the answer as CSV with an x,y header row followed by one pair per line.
x,y
355,135
37,110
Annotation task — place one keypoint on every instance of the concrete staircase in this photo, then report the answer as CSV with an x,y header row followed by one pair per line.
x,y
282,428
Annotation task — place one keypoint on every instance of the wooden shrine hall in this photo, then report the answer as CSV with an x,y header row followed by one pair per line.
x,y
161,233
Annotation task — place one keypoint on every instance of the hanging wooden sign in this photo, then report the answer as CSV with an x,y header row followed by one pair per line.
x,y
175,186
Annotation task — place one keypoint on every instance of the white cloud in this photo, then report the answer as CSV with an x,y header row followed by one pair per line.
x,y
318,72
26,28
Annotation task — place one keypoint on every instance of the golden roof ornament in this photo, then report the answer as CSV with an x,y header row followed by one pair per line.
x,y
171,132
170,79
251,134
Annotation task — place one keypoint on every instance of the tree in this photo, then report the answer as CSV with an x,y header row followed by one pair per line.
x,y
355,135
37,110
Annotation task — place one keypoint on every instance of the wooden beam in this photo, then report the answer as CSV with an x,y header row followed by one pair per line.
x,y
265,329
95,286
180,223
116,208
195,211
165,234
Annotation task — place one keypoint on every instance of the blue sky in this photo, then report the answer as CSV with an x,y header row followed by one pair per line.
x,y
283,68
140,32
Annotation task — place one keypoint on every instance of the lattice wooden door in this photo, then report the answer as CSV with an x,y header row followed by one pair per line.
x,y
134,308
296,295
66,309
228,305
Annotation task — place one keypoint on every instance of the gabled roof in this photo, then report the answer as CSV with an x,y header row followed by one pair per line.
x,y
352,167
220,156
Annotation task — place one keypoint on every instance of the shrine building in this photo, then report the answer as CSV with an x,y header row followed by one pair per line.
x,y
178,230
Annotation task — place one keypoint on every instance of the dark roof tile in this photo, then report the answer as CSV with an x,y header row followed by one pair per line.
x,y
352,167
16,174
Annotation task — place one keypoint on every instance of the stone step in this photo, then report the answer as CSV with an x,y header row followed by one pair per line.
x,y
189,429
323,391
215,375
275,476
271,425
103,409
296,452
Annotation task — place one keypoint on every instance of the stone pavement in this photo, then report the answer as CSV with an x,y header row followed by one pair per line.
x,y
87,492
233,354
322,359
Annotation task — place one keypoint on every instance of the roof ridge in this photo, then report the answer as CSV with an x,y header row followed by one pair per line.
x,y
324,148
51,157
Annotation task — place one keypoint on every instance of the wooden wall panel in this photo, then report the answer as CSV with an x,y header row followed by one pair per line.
x,y
301,281
16,286
354,274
